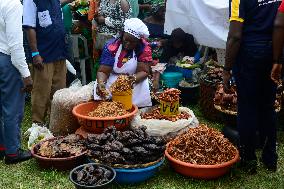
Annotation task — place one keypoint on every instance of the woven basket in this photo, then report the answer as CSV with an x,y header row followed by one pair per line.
x,y
207,94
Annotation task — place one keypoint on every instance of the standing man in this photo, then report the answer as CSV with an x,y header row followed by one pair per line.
x,y
15,80
249,55
278,44
47,39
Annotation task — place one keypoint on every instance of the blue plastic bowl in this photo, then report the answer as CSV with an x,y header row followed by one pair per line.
x,y
132,176
172,79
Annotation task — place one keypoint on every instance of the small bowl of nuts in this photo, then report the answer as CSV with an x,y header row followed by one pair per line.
x,y
95,116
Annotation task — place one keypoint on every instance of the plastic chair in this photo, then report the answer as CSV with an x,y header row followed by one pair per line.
x,y
76,54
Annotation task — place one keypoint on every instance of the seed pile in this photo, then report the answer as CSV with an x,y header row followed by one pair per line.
x,y
214,75
170,95
203,146
108,109
130,147
72,145
121,84
93,175
155,114
227,100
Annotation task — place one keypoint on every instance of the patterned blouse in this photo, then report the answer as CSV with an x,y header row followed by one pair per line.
x,y
143,53
114,17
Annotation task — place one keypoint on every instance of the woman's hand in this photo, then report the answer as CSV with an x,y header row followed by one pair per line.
x,y
101,90
132,80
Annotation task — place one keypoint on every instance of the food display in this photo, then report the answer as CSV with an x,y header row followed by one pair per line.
x,y
186,84
155,114
122,84
187,62
129,147
71,145
226,100
170,95
108,109
214,75
93,175
202,146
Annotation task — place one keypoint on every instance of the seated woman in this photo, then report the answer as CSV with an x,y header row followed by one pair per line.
x,y
179,45
131,55
156,21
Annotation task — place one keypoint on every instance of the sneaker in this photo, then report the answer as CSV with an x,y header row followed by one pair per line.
x,y
20,156
270,166
270,161
249,166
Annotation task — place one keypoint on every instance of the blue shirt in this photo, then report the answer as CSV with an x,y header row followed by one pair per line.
x,y
257,17
46,17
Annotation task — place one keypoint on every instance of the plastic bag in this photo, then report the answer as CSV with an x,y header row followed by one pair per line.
x,y
36,134
62,121
165,128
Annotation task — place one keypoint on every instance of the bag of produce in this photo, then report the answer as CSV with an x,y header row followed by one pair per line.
x,y
36,134
62,121
164,127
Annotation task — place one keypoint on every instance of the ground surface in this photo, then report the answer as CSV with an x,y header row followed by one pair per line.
x,y
28,174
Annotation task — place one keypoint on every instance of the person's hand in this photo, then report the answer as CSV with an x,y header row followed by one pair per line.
x,y
28,84
101,90
100,20
226,80
132,80
37,62
276,73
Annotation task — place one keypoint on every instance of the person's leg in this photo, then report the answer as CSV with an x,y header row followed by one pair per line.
x,y
59,77
12,101
42,81
245,73
2,146
267,126
58,81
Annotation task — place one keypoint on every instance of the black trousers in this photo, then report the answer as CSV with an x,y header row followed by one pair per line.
x,y
256,98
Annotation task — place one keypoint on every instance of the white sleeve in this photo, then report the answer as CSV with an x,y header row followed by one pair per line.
x,y
29,14
13,20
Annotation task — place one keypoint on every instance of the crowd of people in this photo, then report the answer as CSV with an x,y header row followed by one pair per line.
x,y
125,45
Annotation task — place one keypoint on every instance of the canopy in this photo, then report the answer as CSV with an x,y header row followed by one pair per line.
x,y
206,20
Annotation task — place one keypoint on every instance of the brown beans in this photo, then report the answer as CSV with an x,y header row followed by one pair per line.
x,y
108,109
170,95
155,114
203,146
122,84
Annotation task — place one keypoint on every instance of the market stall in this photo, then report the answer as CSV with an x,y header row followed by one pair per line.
x,y
210,17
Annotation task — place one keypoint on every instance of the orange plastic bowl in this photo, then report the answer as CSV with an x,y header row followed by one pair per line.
x,y
98,124
201,171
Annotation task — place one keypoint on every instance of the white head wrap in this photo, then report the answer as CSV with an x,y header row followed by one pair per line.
x,y
136,27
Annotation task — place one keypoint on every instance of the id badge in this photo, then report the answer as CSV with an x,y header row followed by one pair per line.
x,y
44,19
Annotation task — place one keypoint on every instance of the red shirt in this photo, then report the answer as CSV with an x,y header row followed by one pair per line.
x,y
281,8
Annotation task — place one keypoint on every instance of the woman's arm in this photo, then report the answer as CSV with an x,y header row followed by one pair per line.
x,y
142,71
103,73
